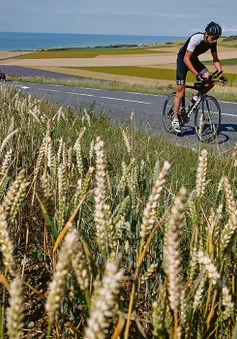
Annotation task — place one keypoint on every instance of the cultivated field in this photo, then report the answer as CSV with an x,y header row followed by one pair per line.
x,y
10,55
118,64
108,61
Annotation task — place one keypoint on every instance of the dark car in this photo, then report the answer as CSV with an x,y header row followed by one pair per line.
x,y
2,76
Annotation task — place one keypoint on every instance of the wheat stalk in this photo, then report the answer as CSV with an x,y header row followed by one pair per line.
x,y
104,301
56,287
15,311
148,218
201,181
172,252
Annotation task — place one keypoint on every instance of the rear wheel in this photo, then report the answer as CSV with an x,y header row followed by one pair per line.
x,y
208,119
167,113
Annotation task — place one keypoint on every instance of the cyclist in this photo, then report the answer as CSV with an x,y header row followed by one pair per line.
x,y
187,60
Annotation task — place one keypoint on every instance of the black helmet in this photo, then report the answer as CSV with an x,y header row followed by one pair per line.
x,y
214,29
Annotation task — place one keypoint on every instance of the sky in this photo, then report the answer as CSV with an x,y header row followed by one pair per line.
x,y
134,17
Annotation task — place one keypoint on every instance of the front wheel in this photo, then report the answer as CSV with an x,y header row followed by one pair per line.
x,y
208,119
167,112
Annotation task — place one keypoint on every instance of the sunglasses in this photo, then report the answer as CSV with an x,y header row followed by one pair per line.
x,y
213,38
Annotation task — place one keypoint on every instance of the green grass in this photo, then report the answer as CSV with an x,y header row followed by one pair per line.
x,y
99,84
225,62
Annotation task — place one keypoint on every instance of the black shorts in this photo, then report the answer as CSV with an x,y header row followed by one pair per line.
x,y
182,69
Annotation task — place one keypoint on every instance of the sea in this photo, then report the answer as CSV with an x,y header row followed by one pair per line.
x,y
14,41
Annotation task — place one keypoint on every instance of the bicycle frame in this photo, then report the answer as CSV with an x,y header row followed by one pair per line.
x,y
201,88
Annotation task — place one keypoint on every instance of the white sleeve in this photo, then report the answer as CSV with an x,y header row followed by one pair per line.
x,y
194,42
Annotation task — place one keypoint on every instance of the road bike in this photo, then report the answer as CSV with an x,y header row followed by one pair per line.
x,y
207,111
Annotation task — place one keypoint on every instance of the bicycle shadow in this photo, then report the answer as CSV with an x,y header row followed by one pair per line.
x,y
228,128
188,130
225,130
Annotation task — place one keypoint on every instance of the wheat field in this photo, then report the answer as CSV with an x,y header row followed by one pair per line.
x,y
90,249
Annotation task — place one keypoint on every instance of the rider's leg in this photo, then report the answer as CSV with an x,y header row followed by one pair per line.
x,y
177,101
181,73
180,92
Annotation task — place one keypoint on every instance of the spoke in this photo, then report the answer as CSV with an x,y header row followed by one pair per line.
x,y
207,120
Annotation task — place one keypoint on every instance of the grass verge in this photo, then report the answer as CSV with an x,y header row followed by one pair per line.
x,y
220,93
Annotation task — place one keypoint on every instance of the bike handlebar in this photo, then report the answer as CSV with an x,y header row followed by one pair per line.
x,y
212,77
201,84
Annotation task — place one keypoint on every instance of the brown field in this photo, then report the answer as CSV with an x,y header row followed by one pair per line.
x,y
10,55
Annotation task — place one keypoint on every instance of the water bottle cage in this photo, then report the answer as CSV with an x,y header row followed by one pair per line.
x,y
193,106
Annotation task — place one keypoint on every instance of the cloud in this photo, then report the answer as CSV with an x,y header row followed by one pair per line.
x,y
145,15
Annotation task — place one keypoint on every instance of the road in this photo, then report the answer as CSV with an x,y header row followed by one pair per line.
x,y
119,105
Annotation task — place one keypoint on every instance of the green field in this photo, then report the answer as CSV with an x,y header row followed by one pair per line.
x,y
142,72
89,53
225,62
149,72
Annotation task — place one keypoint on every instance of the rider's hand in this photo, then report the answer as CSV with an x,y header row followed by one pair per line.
x,y
199,77
223,80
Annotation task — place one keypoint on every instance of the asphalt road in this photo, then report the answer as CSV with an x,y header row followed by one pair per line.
x,y
119,105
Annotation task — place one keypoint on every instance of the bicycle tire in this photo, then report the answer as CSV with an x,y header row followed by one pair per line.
x,y
208,119
167,113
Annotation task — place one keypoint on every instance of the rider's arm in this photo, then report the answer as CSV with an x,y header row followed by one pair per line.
x,y
188,63
216,61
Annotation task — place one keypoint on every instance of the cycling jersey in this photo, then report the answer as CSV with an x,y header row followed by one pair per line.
x,y
196,44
